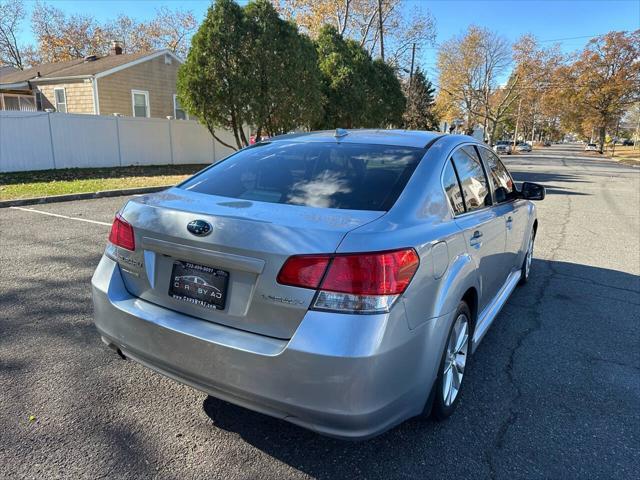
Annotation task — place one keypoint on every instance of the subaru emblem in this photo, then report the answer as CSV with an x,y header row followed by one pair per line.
x,y
199,228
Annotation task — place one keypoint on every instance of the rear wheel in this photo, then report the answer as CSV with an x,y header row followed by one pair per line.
x,y
452,366
528,260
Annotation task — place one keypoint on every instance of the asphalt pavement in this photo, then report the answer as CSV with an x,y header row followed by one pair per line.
x,y
553,391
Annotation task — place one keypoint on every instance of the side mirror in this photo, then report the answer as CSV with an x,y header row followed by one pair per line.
x,y
532,191
501,194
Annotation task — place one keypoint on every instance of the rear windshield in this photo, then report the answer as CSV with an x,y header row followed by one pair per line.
x,y
315,174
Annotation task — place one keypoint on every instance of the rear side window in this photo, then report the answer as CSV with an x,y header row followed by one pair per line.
x,y
499,175
472,179
313,174
452,189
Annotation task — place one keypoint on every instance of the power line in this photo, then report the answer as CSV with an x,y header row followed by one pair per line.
x,y
575,38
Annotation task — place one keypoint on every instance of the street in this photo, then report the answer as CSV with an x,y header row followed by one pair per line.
x,y
552,392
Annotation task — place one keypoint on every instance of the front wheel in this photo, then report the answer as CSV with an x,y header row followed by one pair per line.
x,y
528,260
452,366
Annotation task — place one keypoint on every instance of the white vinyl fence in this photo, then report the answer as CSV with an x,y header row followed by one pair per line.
x,y
41,140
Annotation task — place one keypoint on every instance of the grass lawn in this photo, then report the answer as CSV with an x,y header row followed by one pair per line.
x,y
43,183
626,155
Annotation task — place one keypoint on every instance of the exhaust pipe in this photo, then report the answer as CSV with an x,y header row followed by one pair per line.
x,y
113,347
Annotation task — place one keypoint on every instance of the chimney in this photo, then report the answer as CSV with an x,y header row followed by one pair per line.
x,y
116,47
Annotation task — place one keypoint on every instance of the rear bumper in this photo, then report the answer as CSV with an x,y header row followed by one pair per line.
x,y
348,376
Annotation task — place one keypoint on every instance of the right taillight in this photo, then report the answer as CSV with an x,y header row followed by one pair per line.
x,y
121,234
356,283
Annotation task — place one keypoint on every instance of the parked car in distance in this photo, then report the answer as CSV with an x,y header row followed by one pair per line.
x,y
591,147
502,147
523,147
627,142
354,274
546,144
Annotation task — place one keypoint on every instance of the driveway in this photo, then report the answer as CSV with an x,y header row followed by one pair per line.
x,y
552,392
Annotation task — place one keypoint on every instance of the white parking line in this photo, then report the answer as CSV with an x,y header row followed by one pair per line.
x,y
33,210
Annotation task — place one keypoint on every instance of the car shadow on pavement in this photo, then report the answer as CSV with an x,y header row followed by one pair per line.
x,y
547,179
514,407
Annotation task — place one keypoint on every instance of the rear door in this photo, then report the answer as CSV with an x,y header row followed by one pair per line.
x,y
511,209
483,228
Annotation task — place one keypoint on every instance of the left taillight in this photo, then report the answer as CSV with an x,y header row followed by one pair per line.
x,y
121,234
357,283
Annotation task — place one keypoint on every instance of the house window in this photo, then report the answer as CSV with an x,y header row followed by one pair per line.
x,y
16,102
167,59
28,103
140,102
11,102
61,99
178,111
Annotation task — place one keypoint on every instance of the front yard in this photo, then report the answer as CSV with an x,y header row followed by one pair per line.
x,y
43,183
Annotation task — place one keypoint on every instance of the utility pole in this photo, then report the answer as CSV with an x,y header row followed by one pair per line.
x,y
636,140
515,134
380,29
413,56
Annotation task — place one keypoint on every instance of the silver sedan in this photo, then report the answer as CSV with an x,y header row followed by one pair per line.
x,y
344,278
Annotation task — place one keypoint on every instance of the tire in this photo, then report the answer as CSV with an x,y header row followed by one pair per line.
x,y
525,271
453,365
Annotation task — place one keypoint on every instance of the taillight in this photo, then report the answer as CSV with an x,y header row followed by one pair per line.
x,y
303,270
121,234
359,283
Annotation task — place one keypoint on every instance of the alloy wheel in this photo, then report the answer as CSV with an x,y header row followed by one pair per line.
x,y
529,259
456,359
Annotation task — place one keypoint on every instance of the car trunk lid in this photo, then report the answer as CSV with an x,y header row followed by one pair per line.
x,y
248,243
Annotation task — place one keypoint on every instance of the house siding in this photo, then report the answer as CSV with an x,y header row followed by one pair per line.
x,y
79,96
153,76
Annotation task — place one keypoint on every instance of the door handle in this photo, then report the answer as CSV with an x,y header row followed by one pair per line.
x,y
475,239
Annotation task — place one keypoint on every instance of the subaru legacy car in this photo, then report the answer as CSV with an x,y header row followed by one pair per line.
x,y
343,278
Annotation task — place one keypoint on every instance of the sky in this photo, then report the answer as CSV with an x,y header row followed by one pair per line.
x,y
549,20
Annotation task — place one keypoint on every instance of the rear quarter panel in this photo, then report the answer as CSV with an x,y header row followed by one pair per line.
x,y
422,219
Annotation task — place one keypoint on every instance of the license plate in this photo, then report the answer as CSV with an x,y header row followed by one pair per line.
x,y
199,285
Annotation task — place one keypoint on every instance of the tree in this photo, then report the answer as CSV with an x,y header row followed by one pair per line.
x,y
62,38
538,109
247,66
419,113
213,83
605,80
12,14
384,96
171,29
471,67
359,92
132,33
359,20
285,80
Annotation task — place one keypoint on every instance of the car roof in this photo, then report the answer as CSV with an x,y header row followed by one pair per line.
x,y
405,138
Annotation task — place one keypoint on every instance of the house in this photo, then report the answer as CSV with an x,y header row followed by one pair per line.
x,y
138,85
4,69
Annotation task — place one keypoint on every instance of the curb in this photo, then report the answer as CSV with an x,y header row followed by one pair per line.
x,y
80,196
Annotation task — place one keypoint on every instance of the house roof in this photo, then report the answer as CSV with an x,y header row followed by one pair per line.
x,y
4,69
76,68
